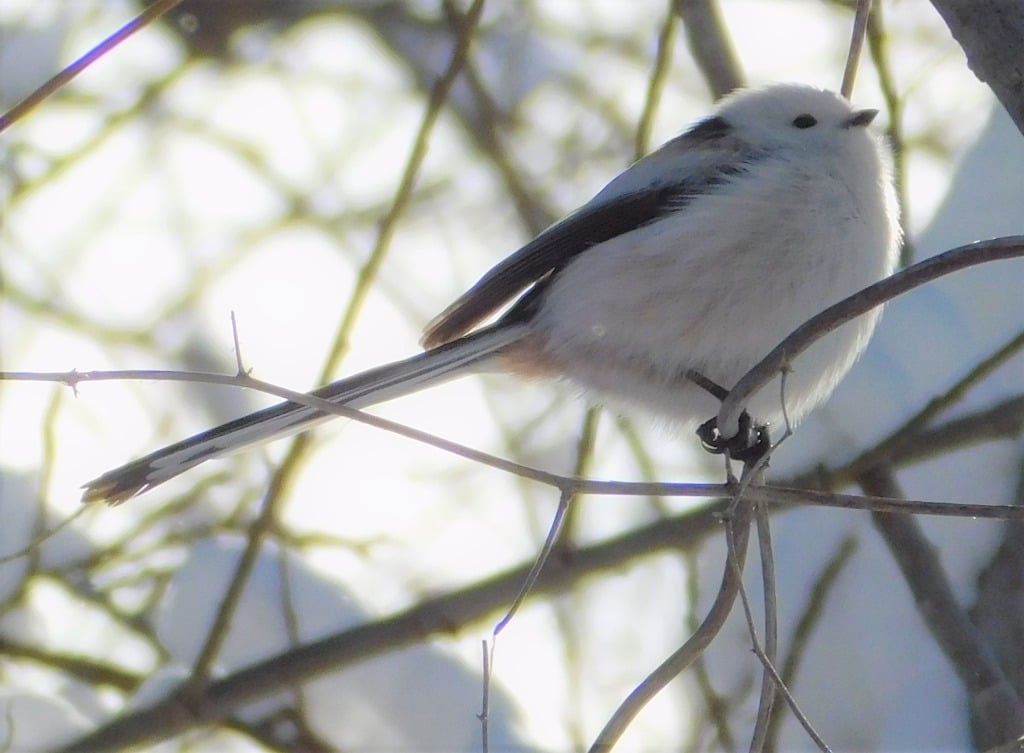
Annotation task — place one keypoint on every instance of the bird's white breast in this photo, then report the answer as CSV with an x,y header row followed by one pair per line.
x,y
718,284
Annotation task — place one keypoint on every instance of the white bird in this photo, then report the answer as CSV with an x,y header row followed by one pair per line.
x,y
695,261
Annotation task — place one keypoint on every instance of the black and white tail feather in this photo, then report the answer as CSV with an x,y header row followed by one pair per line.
x,y
700,258
362,390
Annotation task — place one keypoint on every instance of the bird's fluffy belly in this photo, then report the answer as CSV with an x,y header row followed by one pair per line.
x,y
634,314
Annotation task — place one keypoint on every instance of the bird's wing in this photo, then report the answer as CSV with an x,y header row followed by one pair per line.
x,y
693,164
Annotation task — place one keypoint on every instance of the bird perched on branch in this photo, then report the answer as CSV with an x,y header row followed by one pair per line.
x,y
680,275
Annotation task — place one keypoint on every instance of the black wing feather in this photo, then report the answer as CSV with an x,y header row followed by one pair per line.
x,y
551,249
587,227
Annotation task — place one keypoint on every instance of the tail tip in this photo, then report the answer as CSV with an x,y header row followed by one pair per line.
x,y
109,491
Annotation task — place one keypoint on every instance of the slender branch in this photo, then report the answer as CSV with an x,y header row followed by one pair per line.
x,y
711,45
770,650
266,520
739,531
80,668
530,580
770,494
859,303
487,662
403,194
773,680
894,105
860,25
655,85
773,674
29,103
912,428
805,624
717,705
220,627
1003,420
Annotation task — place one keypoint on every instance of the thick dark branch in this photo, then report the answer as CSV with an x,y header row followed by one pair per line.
x,y
996,706
990,33
445,614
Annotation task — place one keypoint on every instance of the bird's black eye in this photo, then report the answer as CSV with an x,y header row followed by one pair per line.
x,y
805,121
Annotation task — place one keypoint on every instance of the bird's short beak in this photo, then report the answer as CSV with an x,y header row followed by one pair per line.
x,y
861,118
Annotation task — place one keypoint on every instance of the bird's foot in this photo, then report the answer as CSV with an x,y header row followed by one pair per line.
x,y
749,444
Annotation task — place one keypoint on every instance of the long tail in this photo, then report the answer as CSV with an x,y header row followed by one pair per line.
x,y
367,388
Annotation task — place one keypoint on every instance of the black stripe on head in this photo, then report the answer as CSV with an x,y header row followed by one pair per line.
x,y
709,129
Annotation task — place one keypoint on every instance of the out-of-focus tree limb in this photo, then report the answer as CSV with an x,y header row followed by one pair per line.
x,y
710,45
990,33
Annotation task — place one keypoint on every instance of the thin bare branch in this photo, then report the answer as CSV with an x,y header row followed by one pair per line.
x,y
538,565
33,100
894,133
859,303
738,530
860,25
655,85
465,34
774,679
910,431
809,617
770,649
772,494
